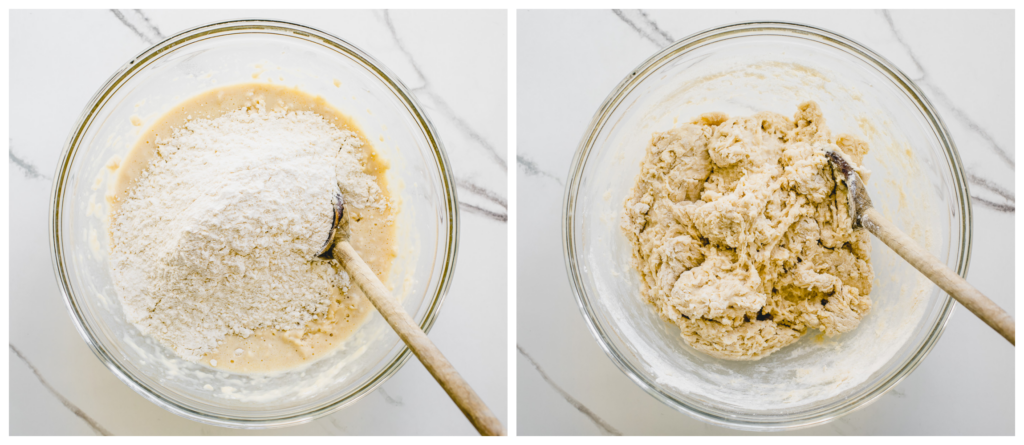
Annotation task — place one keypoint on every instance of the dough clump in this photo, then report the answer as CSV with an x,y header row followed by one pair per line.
x,y
742,235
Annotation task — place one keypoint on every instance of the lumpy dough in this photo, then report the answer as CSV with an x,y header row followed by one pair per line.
x,y
742,235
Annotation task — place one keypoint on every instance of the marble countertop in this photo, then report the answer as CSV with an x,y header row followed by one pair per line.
x,y
568,62
455,62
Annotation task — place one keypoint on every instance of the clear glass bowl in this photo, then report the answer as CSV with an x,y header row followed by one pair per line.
x,y
222,54
917,181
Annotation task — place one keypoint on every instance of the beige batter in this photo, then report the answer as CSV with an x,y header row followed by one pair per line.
x,y
371,231
741,232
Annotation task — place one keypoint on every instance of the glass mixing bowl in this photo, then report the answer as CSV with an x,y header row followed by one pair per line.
x,y
222,54
917,181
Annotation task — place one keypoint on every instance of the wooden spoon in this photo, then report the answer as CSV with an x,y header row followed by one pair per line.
x,y
864,215
460,392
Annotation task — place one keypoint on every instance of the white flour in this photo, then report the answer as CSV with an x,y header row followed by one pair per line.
x,y
218,234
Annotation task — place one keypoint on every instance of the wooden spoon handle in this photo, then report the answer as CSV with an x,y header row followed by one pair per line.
x,y
949,281
461,393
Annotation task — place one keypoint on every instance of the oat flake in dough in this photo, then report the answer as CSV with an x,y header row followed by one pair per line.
x,y
742,235
218,234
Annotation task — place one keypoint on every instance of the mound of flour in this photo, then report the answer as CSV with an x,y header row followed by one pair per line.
x,y
218,235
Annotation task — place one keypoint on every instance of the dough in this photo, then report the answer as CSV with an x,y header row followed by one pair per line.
x,y
742,235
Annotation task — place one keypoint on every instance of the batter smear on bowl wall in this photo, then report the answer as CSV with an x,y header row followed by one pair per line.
x,y
741,232
217,215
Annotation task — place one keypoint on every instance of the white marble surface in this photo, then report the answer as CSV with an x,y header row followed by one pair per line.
x,y
456,64
568,61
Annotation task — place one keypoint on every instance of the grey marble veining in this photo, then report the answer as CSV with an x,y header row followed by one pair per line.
x,y
424,91
937,93
137,21
28,169
603,426
643,25
530,168
67,403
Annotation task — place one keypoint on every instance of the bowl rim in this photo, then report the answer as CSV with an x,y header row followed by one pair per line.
x,y
450,209
683,46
